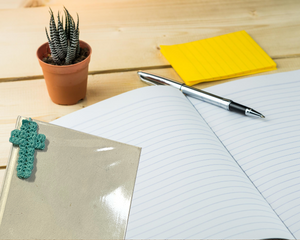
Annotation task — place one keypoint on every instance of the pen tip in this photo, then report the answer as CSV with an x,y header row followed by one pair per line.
x,y
262,116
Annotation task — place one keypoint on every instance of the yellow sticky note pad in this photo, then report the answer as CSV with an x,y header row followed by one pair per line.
x,y
226,56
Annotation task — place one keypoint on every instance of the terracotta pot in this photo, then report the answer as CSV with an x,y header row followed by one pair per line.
x,y
66,84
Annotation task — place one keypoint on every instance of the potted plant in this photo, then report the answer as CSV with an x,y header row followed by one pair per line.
x,y
64,60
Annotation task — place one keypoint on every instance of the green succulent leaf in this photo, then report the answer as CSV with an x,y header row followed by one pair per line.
x,y
77,34
68,18
54,54
64,38
54,33
68,59
73,40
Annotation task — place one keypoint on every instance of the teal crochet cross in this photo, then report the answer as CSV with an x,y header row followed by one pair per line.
x,y
28,140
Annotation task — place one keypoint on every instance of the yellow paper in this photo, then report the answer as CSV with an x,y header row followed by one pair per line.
x,y
226,56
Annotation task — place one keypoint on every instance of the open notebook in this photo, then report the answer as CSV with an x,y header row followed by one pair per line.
x,y
205,172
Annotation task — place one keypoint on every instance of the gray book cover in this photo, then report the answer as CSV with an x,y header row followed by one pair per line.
x,y
81,187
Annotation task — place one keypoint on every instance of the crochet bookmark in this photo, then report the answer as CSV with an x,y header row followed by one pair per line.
x,y
28,140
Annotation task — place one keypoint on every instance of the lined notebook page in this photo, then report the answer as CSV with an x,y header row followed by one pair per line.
x,y
267,150
229,55
188,185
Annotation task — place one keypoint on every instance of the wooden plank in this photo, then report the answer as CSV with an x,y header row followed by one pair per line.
x,y
127,34
30,98
12,4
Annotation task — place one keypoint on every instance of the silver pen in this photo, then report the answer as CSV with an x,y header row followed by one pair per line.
x,y
225,103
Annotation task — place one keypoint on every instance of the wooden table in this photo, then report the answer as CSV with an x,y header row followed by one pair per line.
x,y
125,37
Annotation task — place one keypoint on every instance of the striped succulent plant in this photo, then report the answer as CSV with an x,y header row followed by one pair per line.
x,y
63,41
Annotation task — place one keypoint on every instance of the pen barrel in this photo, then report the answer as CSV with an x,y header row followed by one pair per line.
x,y
156,80
238,108
206,97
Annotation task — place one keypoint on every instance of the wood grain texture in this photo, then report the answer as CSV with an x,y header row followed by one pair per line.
x,y
126,35
30,98
12,4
